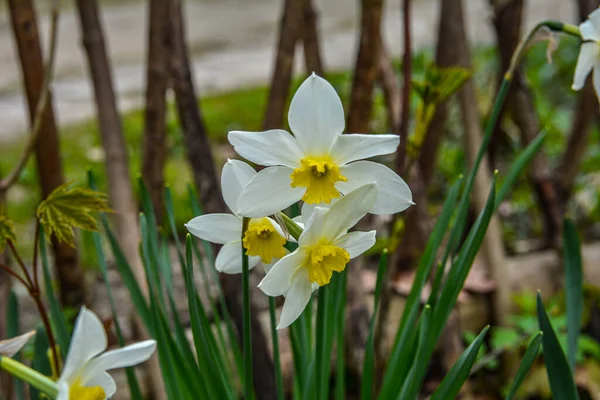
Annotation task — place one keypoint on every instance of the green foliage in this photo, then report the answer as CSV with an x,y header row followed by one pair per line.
x,y
70,207
7,231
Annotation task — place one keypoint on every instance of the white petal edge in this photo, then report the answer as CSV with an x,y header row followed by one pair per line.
x,y
10,347
88,340
346,213
63,391
588,57
216,228
119,358
348,148
296,298
268,192
356,243
393,194
229,259
269,148
105,381
590,28
597,78
235,175
316,115
313,230
279,278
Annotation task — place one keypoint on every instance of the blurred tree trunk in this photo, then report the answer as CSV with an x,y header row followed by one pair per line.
x,y
310,39
586,111
366,67
507,22
48,162
290,31
6,380
201,160
389,86
157,75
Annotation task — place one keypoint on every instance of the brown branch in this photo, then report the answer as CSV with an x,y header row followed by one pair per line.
x,y
12,247
36,240
14,175
14,275
406,77
389,86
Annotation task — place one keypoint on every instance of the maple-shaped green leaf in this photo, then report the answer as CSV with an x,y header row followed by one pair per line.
x,y
7,231
70,207
440,83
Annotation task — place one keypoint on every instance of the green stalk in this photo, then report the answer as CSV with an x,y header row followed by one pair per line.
x,y
246,307
276,358
29,375
291,226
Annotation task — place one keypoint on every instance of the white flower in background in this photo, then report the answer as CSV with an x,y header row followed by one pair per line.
x,y
589,54
324,247
10,347
317,164
84,376
264,239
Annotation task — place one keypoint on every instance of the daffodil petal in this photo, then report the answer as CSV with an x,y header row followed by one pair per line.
x,y
597,79
10,347
590,28
588,57
356,243
119,358
393,194
348,148
236,174
313,231
268,192
106,382
346,213
274,147
316,115
279,278
229,259
296,298
63,391
216,228
88,340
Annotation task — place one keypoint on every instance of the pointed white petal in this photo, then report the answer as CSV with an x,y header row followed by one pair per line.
x,y
216,228
88,340
296,298
348,148
10,347
393,194
229,259
588,56
344,214
63,391
313,231
356,243
274,147
590,28
279,278
105,381
268,192
597,78
120,358
236,174
316,115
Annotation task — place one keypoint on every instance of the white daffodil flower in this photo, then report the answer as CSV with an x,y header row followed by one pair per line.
x,y
10,347
84,376
317,164
324,247
264,239
589,53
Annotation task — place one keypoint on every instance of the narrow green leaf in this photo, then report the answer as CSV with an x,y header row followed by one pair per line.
x,y
58,320
340,376
560,375
276,356
411,385
13,324
530,355
366,390
459,373
40,359
573,287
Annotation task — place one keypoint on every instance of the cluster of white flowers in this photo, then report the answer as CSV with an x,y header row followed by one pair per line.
x,y
318,165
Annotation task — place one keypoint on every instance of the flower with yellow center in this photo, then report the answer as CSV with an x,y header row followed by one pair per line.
x,y
324,247
264,239
317,163
84,376
589,54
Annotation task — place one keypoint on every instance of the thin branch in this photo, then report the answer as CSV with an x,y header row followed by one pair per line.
x,y
14,175
12,247
406,87
14,275
35,253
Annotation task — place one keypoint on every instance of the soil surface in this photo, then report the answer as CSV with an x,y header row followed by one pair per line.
x,y
232,43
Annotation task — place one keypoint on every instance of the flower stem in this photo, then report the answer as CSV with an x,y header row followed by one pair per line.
x,y
29,375
246,322
276,358
291,226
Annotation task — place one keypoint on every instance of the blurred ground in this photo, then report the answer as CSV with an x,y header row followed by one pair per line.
x,y
232,44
